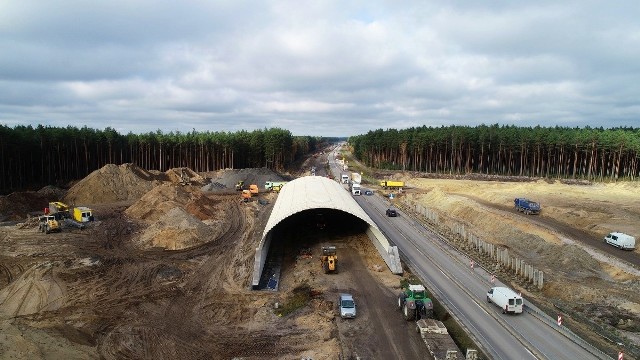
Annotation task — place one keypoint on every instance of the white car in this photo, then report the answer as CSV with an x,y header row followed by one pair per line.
x,y
347,306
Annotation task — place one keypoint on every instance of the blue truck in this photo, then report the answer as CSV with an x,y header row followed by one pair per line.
x,y
526,206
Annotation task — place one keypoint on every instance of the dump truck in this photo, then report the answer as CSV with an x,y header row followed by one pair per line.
x,y
329,259
274,185
526,206
414,302
387,184
48,223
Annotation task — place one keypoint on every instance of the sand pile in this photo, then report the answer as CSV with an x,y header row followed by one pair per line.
x,y
175,230
113,183
175,176
158,201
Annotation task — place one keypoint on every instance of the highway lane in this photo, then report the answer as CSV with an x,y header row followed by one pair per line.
x,y
463,290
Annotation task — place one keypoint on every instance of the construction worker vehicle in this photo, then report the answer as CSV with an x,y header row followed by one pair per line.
x,y
246,195
386,184
48,223
414,302
240,186
274,185
63,211
253,189
329,259
184,177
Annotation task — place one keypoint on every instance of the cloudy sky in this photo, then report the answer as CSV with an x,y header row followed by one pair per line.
x,y
329,68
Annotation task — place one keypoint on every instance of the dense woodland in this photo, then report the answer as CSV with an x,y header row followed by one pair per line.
x,y
33,157
594,154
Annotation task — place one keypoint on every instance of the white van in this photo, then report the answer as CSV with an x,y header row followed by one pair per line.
x,y
620,240
506,299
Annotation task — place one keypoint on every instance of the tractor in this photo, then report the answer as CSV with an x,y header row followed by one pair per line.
x,y
329,259
414,303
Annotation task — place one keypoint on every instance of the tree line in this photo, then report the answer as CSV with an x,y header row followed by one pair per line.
x,y
31,157
594,154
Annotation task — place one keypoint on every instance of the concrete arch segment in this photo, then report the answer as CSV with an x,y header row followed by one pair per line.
x,y
316,192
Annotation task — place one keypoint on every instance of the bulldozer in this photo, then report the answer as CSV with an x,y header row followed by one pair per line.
x,y
329,259
414,302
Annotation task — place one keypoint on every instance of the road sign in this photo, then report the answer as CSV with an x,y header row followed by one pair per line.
x,y
493,279
471,263
559,320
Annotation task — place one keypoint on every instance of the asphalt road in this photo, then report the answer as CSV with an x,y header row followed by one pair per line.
x,y
463,291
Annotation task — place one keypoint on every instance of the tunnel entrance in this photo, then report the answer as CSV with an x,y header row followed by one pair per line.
x,y
302,231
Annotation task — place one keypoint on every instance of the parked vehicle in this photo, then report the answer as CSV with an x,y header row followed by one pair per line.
x,y
347,306
526,206
621,240
392,212
274,185
414,302
506,299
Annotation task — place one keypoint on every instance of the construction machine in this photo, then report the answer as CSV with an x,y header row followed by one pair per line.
x,y
414,302
240,185
184,177
329,259
253,188
48,223
246,195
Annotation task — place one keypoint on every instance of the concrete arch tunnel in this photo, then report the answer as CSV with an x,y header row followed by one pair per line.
x,y
319,195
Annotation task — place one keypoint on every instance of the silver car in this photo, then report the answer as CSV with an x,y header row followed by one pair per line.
x,y
347,306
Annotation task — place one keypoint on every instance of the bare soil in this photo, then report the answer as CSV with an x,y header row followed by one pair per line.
x,y
165,270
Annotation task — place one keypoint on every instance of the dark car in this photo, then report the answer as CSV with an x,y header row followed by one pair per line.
x,y
392,213
368,192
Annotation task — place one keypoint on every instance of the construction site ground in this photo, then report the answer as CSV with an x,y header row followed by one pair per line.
x,y
165,270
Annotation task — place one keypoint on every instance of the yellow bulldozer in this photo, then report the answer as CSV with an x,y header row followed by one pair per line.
x,y
329,259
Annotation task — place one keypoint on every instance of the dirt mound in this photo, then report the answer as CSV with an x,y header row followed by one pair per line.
x,y
113,183
228,178
18,205
176,175
175,230
158,201
52,192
